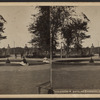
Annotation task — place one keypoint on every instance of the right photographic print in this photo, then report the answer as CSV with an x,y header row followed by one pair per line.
x,y
75,49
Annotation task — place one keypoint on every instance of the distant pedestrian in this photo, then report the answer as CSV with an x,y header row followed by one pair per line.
x,y
21,55
24,62
45,59
91,60
16,55
7,61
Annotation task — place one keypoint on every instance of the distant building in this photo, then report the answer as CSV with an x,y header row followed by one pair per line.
x,y
92,49
8,50
26,50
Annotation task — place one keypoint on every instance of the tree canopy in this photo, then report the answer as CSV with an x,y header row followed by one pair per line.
x,y
41,29
74,31
51,20
2,21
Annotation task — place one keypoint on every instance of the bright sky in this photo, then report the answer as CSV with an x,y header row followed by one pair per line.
x,y
18,18
93,13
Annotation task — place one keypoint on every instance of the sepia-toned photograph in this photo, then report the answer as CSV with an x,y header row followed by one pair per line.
x,y
24,50
49,49
76,57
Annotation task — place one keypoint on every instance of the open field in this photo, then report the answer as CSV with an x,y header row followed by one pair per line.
x,y
22,79
76,76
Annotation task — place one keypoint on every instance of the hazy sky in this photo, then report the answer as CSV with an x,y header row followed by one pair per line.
x,y
19,17
93,13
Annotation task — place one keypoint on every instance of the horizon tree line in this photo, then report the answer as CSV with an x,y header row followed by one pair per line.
x,y
52,20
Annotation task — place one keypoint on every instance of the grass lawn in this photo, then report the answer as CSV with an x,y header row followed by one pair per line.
x,y
76,76
22,79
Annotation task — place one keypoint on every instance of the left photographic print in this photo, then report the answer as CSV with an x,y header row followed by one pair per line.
x,y
24,50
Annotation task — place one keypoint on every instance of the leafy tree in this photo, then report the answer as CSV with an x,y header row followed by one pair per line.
x,y
74,31
48,22
80,26
68,35
51,20
41,28
58,14
2,21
